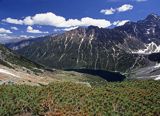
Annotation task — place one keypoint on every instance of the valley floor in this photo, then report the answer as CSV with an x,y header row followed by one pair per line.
x,y
138,98
42,77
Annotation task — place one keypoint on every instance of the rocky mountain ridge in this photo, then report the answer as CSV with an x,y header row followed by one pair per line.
x,y
124,49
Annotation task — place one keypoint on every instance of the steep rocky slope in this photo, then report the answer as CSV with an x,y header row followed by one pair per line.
x,y
119,49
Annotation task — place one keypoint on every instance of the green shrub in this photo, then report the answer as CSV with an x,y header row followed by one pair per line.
x,y
64,98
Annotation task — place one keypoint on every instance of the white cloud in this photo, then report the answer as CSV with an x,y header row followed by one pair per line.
x,y
28,21
120,23
57,30
31,30
123,8
64,29
4,38
95,22
46,19
26,36
23,36
71,28
14,28
51,19
13,21
108,11
3,35
2,30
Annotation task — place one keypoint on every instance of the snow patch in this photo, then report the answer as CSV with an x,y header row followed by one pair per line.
x,y
157,65
158,78
149,49
148,31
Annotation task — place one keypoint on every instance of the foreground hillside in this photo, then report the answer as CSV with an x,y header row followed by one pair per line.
x,y
58,99
12,60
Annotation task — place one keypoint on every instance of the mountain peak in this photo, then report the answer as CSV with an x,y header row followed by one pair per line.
x,y
84,29
153,17
93,27
88,28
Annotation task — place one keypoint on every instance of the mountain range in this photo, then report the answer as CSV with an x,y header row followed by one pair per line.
x,y
128,49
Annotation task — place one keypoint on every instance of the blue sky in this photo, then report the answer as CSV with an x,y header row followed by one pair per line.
x,y
41,17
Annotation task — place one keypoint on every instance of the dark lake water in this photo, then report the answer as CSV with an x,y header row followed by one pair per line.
x,y
107,75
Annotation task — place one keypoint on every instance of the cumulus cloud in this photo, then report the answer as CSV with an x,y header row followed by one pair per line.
x,y
108,11
31,30
52,19
95,22
120,23
14,28
3,35
13,21
57,30
5,38
2,30
23,36
65,29
123,8
71,28
26,36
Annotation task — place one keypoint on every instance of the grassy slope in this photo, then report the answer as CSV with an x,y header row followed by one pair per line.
x,y
9,59
126,98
